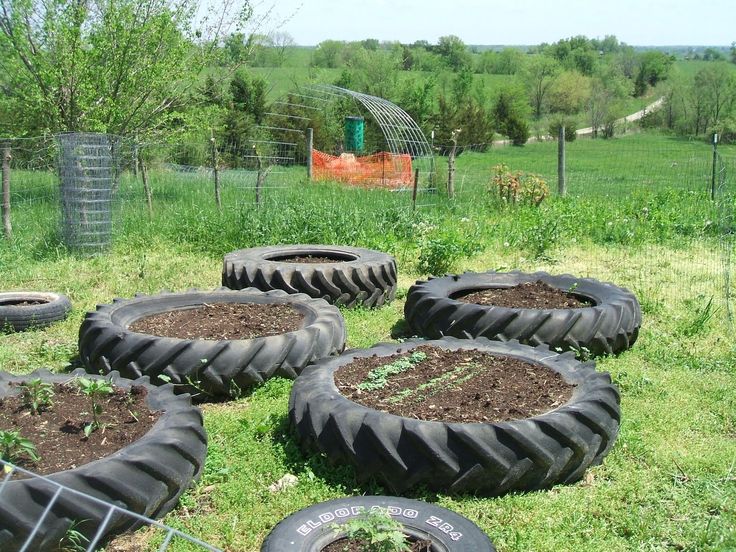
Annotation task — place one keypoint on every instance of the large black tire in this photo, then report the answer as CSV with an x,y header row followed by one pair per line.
x,y
223,368
357,277
311,529
610,326
18,317
146,477
493,458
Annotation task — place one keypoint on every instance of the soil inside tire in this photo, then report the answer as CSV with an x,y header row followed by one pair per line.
x,y
353,545
462,386
222,321
529,295
22,302
57,431
309,259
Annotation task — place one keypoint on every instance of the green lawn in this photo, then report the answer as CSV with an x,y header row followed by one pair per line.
x,y
669,481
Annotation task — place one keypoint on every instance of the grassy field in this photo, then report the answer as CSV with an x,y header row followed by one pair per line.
x,y
669,482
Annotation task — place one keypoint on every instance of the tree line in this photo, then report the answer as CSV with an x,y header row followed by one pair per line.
x,y
157,67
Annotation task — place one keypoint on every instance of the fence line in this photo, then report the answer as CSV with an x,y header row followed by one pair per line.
x,y
169,532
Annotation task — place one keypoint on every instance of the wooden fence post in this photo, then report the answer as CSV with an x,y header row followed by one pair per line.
x,y
7,228
561,185
414,191
215,171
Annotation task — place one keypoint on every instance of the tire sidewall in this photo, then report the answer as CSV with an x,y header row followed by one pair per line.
x,y
55,307
311,529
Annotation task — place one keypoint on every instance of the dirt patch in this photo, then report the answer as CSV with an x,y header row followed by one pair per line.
x,y
529,295
310,259
57,431
453,386
222,321
352,545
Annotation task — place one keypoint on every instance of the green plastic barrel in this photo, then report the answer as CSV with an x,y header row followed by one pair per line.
x,y
354,130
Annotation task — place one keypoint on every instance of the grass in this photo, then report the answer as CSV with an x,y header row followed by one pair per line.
x,y
670,480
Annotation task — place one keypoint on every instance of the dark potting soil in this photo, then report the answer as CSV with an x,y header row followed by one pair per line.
x,y
529,295
352,545
57,431
457,386
309,259
22,303
222,321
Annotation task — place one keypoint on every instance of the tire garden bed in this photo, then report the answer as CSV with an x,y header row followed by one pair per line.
x,y
426,527
555,443
217,359
579,314
147,475
346,276
24,310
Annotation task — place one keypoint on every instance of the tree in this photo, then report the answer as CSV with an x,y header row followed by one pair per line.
x,y
538,75
568,93
654,66
454,52
733,52
509,113
716,85
609,88
96,65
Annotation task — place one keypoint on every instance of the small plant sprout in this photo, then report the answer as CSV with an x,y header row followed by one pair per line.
x,y
13,446
572,288
378,531
378,377
37,394
96,390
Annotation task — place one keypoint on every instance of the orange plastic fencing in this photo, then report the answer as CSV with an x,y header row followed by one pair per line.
x,y
380,170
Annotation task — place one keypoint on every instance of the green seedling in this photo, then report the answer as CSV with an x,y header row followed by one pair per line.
x,y
37,394
13,447
378,377
96,390
377,530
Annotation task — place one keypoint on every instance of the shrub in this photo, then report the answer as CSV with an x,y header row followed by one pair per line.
x,y
570,128
519,187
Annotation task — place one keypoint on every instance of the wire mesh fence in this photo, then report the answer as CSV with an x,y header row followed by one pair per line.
x,y
649,205
40,527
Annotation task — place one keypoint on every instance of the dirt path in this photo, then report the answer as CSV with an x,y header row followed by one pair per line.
x,y
589,130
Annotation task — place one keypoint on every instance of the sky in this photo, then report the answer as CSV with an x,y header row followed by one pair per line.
x,y
513,22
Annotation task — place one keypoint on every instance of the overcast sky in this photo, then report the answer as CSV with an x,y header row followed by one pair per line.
x,y
645,22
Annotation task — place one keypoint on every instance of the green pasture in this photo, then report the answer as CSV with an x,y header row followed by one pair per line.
x,y
669,482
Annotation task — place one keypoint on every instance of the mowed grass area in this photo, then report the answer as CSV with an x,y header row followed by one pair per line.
x,y
670,480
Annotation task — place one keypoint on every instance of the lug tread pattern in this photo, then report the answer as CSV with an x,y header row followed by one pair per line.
x,y
369,281
491,459
609,327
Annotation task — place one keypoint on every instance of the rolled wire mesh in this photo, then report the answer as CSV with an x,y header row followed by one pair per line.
x,y
88,174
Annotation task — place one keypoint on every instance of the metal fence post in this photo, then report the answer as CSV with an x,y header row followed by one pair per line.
x,y
310,147
7,228
713,172
561,185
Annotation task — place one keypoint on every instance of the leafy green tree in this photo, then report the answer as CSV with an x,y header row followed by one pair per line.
x,y
538,75
733,52
454,53
94,65
506,62
716,85
654,66
510,113
575,53
568,93
606,104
